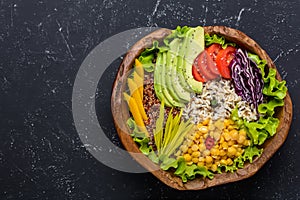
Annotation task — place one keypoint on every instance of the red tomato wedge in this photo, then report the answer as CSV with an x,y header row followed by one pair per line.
x,y
197,75
213,50
206,66
223,60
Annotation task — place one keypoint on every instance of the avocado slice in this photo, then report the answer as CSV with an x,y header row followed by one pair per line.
x,y
184,95
158,81
193,45
168,75
165,90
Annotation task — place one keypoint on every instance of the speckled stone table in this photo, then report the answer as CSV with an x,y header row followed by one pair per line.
x,y
42,45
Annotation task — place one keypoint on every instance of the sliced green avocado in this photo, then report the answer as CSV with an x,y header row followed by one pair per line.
x,y
168,75
158,81
165,90
193,45
184,95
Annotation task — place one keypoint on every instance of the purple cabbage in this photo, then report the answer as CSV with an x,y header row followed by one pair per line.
x,y
247,78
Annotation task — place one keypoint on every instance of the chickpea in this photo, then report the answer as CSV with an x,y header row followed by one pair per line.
x,y
203,129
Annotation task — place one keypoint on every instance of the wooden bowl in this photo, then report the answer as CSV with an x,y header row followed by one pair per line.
x,y
118,105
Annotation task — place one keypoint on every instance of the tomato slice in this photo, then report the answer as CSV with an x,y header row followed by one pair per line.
x,y
223,60
204,66
197,75
213,50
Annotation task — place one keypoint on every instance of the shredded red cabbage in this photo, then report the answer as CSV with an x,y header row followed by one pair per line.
x,y
247,78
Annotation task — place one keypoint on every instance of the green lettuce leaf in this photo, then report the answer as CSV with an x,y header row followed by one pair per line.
x,y
248,155
211,39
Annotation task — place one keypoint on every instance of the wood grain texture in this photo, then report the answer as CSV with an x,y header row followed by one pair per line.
x,y
120,114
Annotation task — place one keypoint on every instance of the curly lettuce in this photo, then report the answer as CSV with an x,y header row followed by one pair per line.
x,y
211,39
274,91
248,155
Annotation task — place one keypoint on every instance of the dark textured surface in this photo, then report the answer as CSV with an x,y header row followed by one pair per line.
x,y
42,45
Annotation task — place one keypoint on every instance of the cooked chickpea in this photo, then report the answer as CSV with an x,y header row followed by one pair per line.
x,y
202,147
241,139
234,134
231,151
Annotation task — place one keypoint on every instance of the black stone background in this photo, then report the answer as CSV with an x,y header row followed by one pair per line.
x,y
42,45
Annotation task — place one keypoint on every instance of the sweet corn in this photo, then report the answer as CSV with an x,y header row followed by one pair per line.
x,y
205,122
190,151
206,152
208,159
195,160
187,157
203,129
195,147
214,167
200,164
229,161
196,154
202,147
214,152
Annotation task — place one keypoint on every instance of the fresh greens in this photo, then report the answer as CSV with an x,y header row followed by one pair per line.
x,y
211,39
248,155
274,92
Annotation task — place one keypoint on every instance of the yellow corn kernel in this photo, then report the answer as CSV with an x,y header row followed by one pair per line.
x,y
230,127
205,122
196,154
178,153
206,152
238,154
189,163
208,165
230,143
231,151
197,136
199,125
223,162
202,147
187,157
184,148
190,151
195,147
201,159
200,164
229,161
195,160
221,139
214,167
217,162
208,159
203,129
241,139
225,145
214,152
222,152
